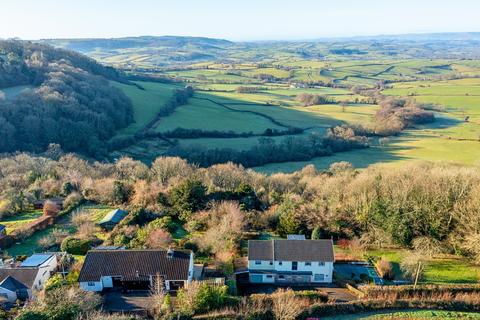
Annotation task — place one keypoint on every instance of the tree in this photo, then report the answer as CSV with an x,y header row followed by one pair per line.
x,y
188,197
286,306
159,239
157,295
317,233
50,208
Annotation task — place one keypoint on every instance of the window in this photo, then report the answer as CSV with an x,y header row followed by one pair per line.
x,y
269,276
319,277
321,264
280,263
258,262
281,277
308,263
271,263
294,265
91,284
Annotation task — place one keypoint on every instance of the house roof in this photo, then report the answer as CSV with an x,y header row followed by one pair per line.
x,y
25,276
114,216
291,250
36,260
134,265
12,284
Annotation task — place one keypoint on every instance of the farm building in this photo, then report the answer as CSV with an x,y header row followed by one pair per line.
x,y
130,270
290,261
113,218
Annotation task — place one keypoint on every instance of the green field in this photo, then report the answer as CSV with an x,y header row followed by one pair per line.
x,y
217,106
19,220
146,103
407,314
439,270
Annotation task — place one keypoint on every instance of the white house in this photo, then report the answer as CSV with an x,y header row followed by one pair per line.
x,y
46,263
19,282
135,269
290,261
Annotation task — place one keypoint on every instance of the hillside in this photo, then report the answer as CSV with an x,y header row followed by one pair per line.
x,y
153,52
57,96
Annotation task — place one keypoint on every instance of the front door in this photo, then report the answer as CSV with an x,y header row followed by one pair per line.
x,y
294,265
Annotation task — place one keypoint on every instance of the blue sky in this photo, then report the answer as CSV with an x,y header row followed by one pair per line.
x,y
234,20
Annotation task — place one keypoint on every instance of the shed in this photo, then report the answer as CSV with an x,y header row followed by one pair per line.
x,y
113,218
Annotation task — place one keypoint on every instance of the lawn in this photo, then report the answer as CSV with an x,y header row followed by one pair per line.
x,y
408,315
19,220
447,269
30,245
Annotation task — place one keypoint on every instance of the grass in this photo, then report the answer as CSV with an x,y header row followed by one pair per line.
x,y
146,103
19,220
408,314
439,270
30,245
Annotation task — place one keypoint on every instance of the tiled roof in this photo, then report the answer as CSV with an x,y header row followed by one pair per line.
x,y
134,265
291,250
24,275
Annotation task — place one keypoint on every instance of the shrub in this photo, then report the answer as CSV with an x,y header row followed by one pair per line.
x,y
385,269
76,246
50,208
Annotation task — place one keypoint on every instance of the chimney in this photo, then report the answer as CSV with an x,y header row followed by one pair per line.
x,y
170,253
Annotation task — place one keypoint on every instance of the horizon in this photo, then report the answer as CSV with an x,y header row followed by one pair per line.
x,y
302,20
324,38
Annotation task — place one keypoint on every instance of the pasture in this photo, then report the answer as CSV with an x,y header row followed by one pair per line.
x,y
408,315
218,105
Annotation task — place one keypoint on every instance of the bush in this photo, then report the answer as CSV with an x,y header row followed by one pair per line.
x,y
385,269
76,246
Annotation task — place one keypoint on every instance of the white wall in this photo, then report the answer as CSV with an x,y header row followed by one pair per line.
x,y
45,270
315,267
107,282
264,265
96,286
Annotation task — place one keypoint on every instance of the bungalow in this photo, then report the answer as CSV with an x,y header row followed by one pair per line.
x,y
135,269
112,219
287,262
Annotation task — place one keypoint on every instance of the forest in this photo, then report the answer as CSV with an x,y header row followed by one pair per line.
x,y
68,101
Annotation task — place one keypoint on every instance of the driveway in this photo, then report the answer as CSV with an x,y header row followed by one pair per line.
x,y
116,301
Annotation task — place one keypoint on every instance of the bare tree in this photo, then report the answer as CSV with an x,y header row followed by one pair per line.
x,y
285,305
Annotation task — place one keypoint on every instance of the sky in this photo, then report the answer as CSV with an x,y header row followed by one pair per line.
x,y
237,20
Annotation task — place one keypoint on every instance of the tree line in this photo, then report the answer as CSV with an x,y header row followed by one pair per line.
x,y
267,150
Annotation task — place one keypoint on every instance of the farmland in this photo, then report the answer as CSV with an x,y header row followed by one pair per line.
x,y
218,105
